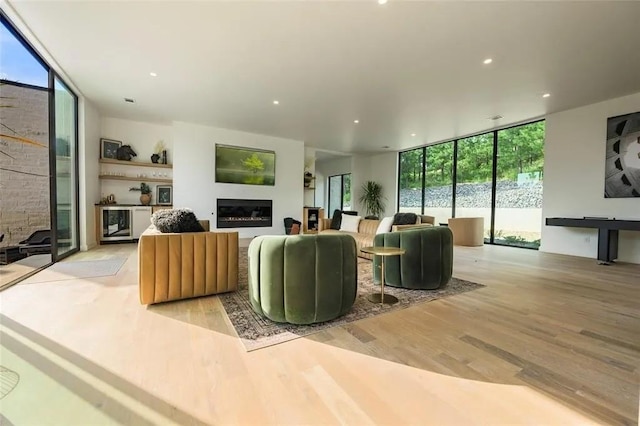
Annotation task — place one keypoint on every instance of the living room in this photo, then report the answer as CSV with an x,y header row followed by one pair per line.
x,y
549,337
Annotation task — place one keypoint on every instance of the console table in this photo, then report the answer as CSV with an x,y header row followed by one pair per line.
x,y
607,232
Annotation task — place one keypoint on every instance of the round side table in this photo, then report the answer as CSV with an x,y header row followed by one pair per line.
x,y
383,252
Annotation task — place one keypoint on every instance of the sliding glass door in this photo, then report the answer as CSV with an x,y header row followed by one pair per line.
x,y
38,161
66,184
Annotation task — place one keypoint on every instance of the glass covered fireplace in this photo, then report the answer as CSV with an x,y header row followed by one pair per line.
x,y
236,213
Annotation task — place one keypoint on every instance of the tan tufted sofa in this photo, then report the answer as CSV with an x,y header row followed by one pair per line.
x,y
192,264
367,231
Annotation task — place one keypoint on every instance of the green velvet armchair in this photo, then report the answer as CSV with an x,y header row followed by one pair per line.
x,y
302,279
427,262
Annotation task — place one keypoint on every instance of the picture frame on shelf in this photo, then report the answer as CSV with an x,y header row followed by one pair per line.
x,y
109,148
164,195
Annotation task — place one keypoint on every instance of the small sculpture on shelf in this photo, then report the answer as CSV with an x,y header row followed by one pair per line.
x,y
111,199
125,153
145,193
308,178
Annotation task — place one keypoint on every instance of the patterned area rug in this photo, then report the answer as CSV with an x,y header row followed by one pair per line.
x,y
81,269
257,332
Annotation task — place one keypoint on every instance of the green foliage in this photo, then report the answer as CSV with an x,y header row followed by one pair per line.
x,y
346,190
520,150
372,198
253,163
143,188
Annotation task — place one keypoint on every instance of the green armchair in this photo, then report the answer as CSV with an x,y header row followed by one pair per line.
x,y
427,262
302,279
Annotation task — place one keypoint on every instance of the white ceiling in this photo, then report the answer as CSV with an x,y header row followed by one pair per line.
x,y
400,68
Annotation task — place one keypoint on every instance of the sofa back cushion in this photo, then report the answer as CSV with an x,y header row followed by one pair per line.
x,y
368,226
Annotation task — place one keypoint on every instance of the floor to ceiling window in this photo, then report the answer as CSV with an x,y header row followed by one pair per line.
x,y
438,182
518,214
38,147
496,175
474,173
339,192
410,181
66,177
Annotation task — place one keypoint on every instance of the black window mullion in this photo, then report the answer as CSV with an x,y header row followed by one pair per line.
x,y
424,175
341,192
454,177
494,178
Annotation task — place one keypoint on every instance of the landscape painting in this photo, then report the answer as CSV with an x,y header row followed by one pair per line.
x,y
245,165
622,169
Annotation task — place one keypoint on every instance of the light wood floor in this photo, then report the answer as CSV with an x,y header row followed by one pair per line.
x,y
22,267
550,340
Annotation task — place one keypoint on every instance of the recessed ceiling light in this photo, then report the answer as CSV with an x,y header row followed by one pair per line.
x,y
487,61
356,121
546,95
386,147
276,102
153,74
382,1
496,117
131,101
413,134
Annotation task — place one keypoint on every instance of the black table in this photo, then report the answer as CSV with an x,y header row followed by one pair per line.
x,y
607,232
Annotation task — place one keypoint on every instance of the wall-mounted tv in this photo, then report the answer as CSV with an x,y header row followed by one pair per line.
x,y
246,166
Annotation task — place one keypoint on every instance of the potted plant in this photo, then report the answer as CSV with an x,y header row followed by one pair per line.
x,y
372,199
145,193
157,151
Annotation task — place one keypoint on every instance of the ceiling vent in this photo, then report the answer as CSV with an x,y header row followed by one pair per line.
x,y
131,101
496,117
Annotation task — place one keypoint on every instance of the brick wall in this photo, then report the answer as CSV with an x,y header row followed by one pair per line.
x,y
24,198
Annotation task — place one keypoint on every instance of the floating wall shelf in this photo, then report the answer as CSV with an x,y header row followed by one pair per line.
x,y
133,163
135,179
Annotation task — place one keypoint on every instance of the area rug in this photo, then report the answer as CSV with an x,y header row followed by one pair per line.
x,y
81,269
256,332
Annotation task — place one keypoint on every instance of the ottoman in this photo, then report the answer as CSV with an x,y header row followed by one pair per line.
x,y
302,279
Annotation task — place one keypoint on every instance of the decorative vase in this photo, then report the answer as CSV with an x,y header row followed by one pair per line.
x,y
145,199
155,158
164,156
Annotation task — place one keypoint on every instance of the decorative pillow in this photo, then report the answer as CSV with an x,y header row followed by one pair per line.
x,y
385,225
176,220
350,223
336,219
404,219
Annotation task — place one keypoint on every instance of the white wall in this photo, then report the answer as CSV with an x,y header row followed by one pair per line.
x,y
88,154
380,168
384,170
194,174
324,169
142,137
574,179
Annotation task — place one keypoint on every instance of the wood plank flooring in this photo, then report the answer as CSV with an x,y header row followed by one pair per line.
x,y
551,339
